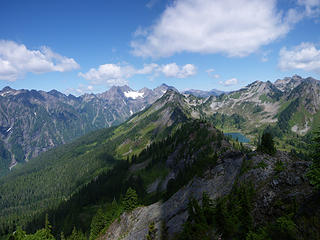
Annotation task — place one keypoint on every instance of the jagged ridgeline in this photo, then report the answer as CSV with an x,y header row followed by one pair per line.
x,y
54,176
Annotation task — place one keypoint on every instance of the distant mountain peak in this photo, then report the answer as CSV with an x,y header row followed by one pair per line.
x,y
288,83
7,88
202,93
164,85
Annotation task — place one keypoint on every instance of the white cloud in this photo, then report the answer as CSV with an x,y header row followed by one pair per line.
x,y
211,73
173,70
148,68
312,7
110,74
237,28
16,60
115,74
229,82
304,57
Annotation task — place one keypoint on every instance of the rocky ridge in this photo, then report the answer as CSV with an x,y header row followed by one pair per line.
x,y
272,186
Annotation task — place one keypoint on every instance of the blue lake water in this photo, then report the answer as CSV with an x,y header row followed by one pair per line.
x,y
239,136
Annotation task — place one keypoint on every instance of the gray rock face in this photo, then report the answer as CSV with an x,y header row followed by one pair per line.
x,y
216,182
289,83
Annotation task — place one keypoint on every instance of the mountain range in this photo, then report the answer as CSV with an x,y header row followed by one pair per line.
x,y
32,121
202,93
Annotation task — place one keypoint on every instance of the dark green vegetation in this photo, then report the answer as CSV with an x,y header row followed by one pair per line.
x,y
266,144
231,217
224,121
228,217
314,173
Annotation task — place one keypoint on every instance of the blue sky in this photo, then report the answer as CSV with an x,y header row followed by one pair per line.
x,y
87,46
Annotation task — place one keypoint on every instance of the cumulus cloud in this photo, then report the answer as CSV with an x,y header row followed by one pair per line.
x,y
229,82
173,70
116,74
304,57
16,60
148,68
236,28
110,74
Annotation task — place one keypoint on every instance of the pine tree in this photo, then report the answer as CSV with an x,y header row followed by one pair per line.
x,y
97,224
62,237
77,235
267,144
130,200
314,172
19,234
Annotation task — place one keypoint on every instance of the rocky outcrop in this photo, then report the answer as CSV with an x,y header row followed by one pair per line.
x,y
276,179
217,182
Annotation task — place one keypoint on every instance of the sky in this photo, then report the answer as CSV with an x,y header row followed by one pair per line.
x,y
83,46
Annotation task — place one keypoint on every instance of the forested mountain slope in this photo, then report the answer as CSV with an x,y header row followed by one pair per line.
x,y
55,175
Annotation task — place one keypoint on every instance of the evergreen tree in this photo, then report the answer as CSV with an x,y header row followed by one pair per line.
x,y
267,144
19,234
62,237
130,200
97,224
314,172
77,235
